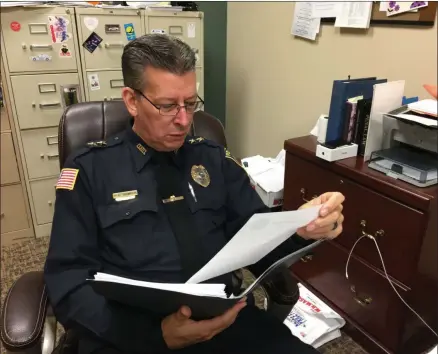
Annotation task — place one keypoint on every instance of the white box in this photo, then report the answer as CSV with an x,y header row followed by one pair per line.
x,y
270,199
339,153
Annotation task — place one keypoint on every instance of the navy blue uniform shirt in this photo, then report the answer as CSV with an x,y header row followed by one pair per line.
x,y
92,231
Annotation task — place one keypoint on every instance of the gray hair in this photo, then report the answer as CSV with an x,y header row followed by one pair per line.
x,y
159,51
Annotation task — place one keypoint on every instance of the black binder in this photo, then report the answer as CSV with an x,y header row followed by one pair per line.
x,y
164,302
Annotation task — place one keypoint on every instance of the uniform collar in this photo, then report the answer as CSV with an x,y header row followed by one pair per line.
x,y
139,150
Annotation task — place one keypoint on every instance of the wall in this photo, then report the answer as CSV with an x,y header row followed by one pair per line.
x,y
215,49
278,85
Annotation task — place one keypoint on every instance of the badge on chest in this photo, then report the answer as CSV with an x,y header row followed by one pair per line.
x,y
127,195
200,175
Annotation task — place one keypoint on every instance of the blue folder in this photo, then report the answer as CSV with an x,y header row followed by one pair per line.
x,y
341,92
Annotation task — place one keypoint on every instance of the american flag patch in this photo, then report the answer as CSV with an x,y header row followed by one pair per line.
x,y
67,178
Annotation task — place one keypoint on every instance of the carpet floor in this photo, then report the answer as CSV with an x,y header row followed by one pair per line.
x,y
27,256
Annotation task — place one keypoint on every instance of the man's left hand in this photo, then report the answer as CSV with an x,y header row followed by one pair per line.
x,y
329,222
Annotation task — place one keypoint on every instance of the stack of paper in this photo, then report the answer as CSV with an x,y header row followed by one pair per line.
x,y
428,107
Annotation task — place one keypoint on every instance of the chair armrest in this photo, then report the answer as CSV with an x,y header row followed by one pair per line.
x,y
24,311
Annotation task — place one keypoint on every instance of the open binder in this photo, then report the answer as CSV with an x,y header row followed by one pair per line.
x,y
204,300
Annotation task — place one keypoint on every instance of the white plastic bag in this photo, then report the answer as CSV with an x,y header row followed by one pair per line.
x,y
313,321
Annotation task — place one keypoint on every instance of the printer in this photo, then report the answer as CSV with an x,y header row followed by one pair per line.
x,y
409,148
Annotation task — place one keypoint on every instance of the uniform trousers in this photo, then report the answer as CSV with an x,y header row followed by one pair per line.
x,y
255,331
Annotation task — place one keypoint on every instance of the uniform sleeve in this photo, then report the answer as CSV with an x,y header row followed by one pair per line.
x,y
243,202
73,254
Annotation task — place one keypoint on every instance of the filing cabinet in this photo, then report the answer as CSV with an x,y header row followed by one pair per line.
x,y
403,220
103,34
42,72
15,216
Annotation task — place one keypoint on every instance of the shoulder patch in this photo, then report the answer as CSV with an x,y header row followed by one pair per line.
x,y
67,178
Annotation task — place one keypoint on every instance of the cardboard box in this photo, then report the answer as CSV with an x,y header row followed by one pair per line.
x,y
270,199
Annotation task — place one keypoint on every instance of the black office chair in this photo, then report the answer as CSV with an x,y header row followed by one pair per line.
x,y
28,323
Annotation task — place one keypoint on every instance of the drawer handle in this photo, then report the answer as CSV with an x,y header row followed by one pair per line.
x,y
306,258
40,46
52,156
303,195
50,104
361,300
52,137
109,45
377,234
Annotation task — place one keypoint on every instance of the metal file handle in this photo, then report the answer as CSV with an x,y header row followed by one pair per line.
x,y
303,195
52,137
50,104
109,45
40,46
52,156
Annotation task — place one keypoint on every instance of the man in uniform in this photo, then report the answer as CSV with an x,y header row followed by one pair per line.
x,y
155,204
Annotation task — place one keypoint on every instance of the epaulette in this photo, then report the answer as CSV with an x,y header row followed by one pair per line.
x,y
199,140
97,144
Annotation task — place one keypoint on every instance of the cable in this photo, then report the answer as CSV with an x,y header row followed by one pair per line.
x,y
387,277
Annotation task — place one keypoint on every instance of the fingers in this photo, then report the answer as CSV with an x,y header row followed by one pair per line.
x,y
183,313
219,323
329,220
331,201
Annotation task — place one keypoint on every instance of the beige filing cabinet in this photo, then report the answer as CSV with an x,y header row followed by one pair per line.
x,y
41,56
15,216
111,29
186,25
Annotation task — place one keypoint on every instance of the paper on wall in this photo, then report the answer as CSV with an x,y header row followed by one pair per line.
x,y
325,9
354,14
399,7
303,25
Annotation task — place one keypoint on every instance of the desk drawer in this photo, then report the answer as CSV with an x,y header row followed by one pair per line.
x,y
41,152
43,196
13,209
8,167
401,224
366,297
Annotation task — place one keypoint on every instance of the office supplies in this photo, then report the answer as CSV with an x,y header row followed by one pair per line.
x,y
343,90
322,128
386,97
428,107
258,237
334,151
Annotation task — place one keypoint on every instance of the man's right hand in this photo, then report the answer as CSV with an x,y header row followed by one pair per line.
x,y
180,331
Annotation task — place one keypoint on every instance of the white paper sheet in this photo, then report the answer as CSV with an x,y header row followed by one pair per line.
x,y
428,122
354,14
303,25
386,97
428,106
434,351
258,237
271,180
323,9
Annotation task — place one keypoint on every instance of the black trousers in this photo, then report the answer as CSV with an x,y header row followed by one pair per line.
x,y
254,332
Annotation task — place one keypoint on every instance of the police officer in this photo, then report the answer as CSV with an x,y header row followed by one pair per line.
x,y
155,204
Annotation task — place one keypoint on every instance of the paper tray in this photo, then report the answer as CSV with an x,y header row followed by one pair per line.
x,y
407,164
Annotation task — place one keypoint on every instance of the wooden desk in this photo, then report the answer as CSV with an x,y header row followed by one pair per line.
x,y
403,217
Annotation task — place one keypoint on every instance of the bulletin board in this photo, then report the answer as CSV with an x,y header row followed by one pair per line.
x,y
423,17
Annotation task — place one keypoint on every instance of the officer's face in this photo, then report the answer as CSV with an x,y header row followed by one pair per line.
x,y
160,129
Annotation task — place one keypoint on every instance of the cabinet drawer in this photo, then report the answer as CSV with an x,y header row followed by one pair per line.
x,y
4,119
40,99
13,209
41,152
43,198
401,225
105,85
188,29
366,297
111,28
200,82
44,41
9,167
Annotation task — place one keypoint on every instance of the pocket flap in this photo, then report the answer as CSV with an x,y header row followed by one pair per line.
x,y
117,211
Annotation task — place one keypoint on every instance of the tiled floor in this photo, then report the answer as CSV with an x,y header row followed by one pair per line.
x,y
30,255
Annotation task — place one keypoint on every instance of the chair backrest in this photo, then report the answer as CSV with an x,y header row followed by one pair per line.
x,y
93,121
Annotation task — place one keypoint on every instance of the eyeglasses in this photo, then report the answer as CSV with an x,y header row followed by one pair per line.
x,y
172,109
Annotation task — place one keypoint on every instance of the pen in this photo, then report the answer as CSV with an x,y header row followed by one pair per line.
x,y
193,192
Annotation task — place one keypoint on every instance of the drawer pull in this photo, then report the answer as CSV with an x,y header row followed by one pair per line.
x,y
49,142
377,234
40,46
307,258
109,45
303,195
361,300
52,156
50,104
